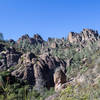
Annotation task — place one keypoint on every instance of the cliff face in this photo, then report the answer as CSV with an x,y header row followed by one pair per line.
x,y
38,71
9,58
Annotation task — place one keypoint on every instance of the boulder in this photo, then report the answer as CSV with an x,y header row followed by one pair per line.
x,y
43,76
59,79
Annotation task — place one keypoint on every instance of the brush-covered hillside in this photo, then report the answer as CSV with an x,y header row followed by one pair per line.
x,y
57,69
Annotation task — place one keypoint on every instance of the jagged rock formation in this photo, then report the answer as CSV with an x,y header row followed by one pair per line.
x,y
36,39
38,71
85,35
59,79
8,58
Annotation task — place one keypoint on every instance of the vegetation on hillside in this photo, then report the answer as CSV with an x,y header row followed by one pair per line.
x,y
79,60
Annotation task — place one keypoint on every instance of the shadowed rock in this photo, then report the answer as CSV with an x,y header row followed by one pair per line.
x,y
59,79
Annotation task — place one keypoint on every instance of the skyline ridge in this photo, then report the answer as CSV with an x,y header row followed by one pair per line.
x,y
48,18
32,35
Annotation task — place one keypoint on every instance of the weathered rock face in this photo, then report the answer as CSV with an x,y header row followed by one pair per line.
x,y
38,71
59,79
89,34
24,69
9,58
36,39
49,65
12,57
85,35
43,75
74,37
24,38
54,62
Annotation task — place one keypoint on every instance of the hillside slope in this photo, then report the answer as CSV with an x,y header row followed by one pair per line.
x,y
66,69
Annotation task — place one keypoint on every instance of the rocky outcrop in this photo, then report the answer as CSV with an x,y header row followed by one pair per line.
x,y
8,58
74,37
59,79
38,71
43,75
12,57
85,35
26,38
54,62
24,68
36,39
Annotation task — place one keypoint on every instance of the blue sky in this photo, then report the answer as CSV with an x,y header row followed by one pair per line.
x,y
49,18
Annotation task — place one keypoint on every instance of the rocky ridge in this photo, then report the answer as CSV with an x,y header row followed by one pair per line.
x,y
84,36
